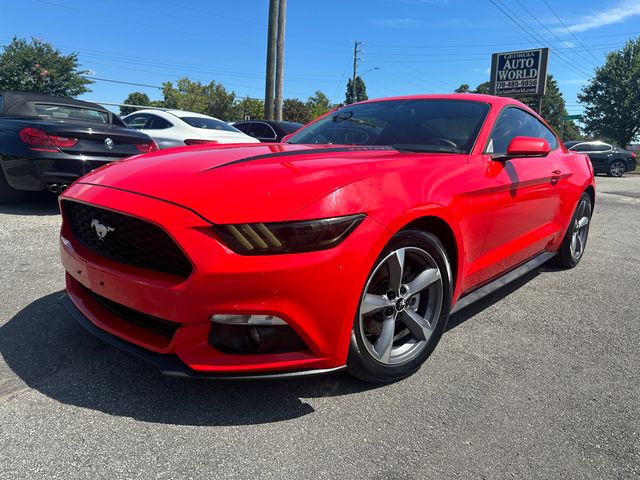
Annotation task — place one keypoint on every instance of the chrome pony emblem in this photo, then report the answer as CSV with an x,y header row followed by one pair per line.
x,y
101,230
108,143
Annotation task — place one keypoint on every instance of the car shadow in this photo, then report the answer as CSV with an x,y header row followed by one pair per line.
x,y
475,308
51,353
35,203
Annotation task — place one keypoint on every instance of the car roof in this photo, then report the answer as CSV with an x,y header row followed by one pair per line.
x,y
22,103
175,113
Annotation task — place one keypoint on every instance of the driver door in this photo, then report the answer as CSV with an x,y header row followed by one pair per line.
x,y
523,194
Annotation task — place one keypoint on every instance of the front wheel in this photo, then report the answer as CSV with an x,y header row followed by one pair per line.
x,y
616,169
403,309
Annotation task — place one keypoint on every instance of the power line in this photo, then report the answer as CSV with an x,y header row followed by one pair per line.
x,y
123,82
562,42
537,39
567,29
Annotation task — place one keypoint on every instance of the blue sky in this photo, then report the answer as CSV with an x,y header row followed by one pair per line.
x,y
418,46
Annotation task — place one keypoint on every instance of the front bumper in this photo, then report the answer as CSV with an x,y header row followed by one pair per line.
x,y
316,293
170,364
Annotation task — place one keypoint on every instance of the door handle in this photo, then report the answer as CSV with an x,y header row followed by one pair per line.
x,y
556,172
555,178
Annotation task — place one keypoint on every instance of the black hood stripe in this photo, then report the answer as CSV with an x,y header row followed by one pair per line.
x,y
311,151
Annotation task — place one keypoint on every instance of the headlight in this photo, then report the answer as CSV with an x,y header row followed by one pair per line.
x,y
287,237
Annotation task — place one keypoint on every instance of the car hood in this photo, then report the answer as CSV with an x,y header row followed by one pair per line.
x,y
257,182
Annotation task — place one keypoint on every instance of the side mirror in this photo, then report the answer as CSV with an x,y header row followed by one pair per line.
x,y
528,146
286,138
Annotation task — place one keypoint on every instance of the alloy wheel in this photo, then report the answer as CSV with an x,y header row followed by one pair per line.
x,y
401,305
580,229
617,169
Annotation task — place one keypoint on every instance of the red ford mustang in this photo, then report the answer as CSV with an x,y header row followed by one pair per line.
x,y
347,246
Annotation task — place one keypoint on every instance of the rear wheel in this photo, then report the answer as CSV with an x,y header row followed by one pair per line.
x,y
403,309
575,240
8,194
616,169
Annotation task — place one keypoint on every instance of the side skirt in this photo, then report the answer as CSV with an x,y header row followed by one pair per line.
x,y
503,280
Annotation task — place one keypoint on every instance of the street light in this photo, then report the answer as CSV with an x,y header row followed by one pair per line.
x,y
370,70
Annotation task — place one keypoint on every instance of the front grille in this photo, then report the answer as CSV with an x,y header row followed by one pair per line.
x,y
125,239
165,328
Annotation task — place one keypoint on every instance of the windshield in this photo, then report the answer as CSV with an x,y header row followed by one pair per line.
x,y
66,112
209,124
419,125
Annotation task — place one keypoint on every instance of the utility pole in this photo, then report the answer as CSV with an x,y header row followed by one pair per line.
x,y
282,20
356,51
271,59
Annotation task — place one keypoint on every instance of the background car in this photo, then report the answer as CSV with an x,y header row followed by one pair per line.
x,y
175,128
606,158
48,142
347,246
267,131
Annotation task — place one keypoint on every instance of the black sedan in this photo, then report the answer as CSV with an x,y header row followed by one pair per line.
x,y
606,158
267,130
48,142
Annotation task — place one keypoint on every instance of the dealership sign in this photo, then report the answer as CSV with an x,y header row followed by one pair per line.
x,y
522,73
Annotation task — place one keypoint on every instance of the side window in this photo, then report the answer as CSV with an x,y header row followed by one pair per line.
x,y
1,102
258,130
600,147
157,123
137,121
581,147
270,133
243,127
514,122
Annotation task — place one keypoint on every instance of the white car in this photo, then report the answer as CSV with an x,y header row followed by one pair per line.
x,y
173,128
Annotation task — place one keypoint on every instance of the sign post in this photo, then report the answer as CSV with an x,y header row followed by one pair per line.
x,y
520,74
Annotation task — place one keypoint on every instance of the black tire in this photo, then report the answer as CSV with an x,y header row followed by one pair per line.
x,y
8,194
616,169
428,299
567,257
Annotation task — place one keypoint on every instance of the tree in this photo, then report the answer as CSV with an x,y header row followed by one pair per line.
x,y
295,110
612,96
484,87
38,67
211,99
134,98
318,104
554,111
361,91
248,107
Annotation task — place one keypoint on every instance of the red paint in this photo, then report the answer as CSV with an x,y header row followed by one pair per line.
x,y
500,212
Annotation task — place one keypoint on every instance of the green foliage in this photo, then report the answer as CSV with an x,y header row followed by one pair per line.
x,y
248,107
554,112
482,88
295,110
361,91
612,96
318,104
134,98
211,99
38,67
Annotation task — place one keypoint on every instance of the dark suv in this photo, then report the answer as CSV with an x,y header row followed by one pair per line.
x,y
48,142
605,158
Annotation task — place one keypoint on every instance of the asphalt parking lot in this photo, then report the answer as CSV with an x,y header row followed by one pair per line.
x,y
540,380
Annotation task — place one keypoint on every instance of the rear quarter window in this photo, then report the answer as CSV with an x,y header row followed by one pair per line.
x,y
67,112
